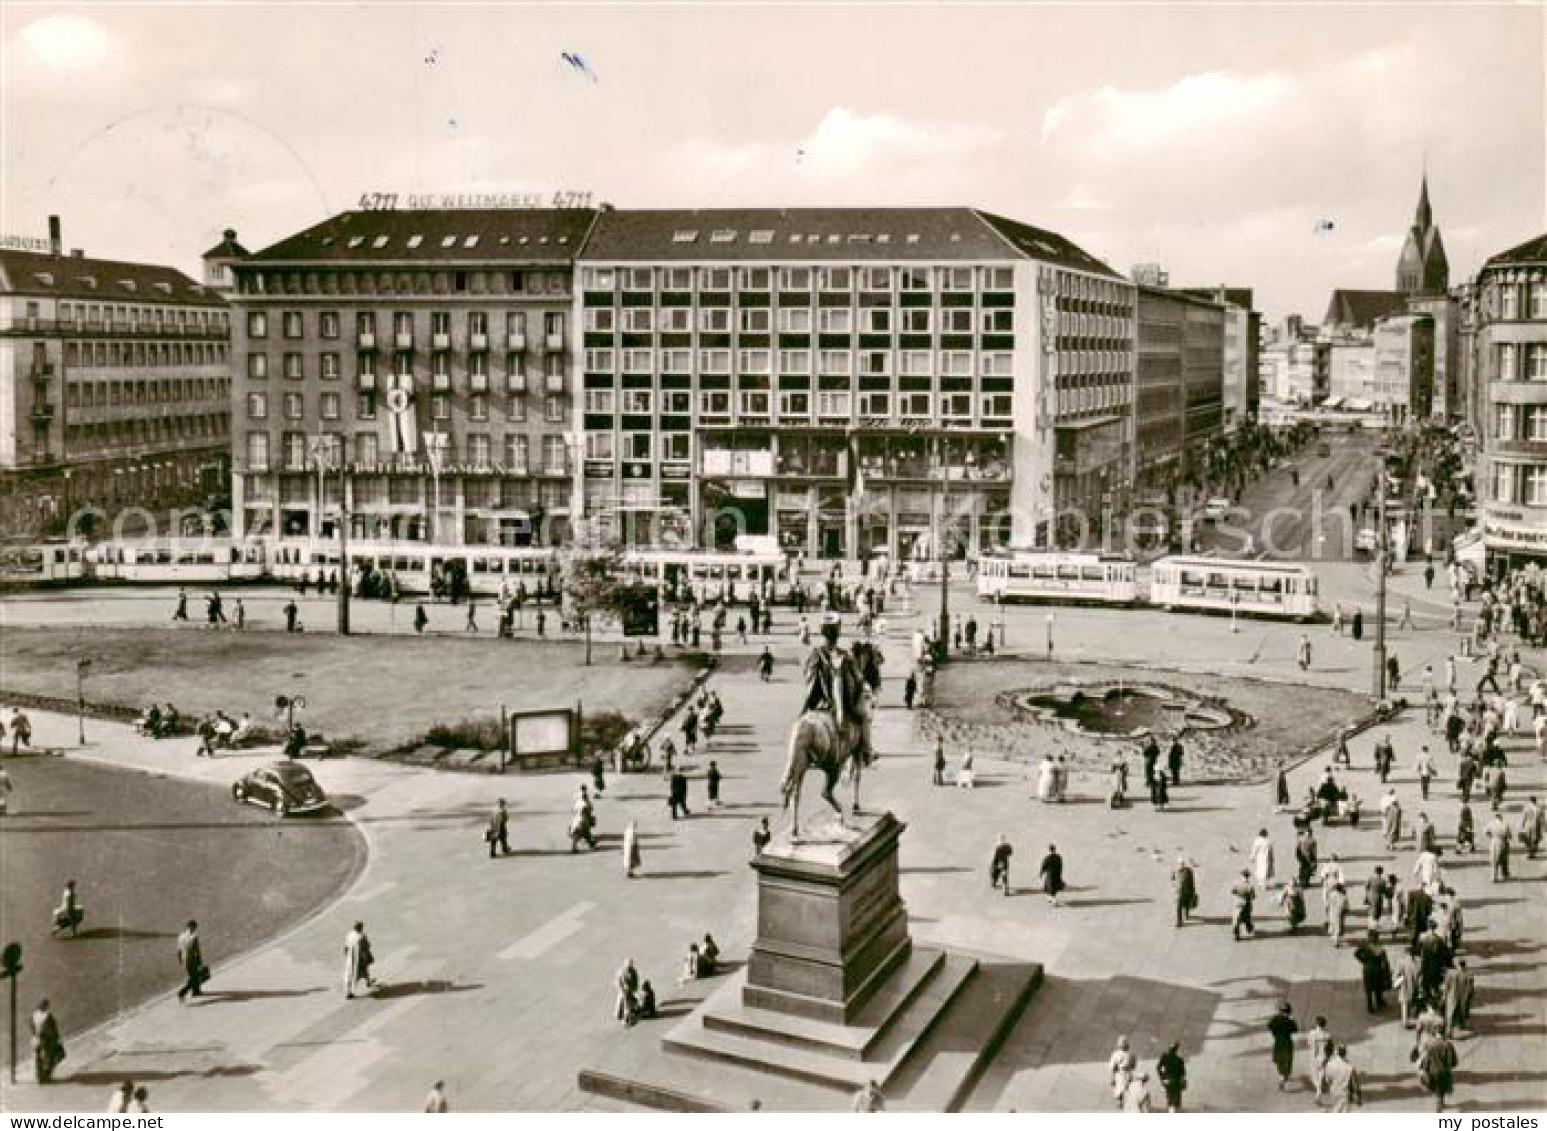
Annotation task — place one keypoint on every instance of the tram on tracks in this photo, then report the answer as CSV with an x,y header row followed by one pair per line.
x,y
1103,579
1278,590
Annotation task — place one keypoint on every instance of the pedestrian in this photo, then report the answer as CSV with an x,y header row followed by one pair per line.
x,y
631,858
939,774
47,1046
435,1099
140,1104
542,623
1262,860
1530,825
21,731
677,796
1174,761
357,960
1281,790
1303,653
1358,624
1407,616
1456,997
181,612
1306,857
1120,1068
965,778
1172,1070
498,832
1136,1097
292,613
1498,846
1052,873
241,615
1283,1027
1374,971
1337,913
5,792
190,955
472,614
762,836
999,865
1319,1047
869,1098
910,690
712,778
625,1004
1342,1081
1244,894
1393,672
1436,1068
120,1099
1425,771
1185,879
765,664
1292,900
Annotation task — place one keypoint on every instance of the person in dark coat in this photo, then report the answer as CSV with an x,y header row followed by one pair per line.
x,y
291,612
1375,972
1283,1027
1436,1069
999,866
421,618
1052,873
910,690
1186,882
1174,761
1358,624
498,833
1172,1070
678,795
712,776
1151,756
190,955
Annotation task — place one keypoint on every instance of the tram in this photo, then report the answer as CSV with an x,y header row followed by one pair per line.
x,y
1282,590
177,561
709,575
48,564
1030,575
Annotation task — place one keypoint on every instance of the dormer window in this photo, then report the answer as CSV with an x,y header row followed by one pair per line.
x,y
723,235
379,242
415,240
762,236
356,241
128,285
45,277
684,235
471,241
448,241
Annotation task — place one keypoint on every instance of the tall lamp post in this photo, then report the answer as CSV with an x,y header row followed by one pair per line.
x,y
1382,552
10,970
322,453
945,556
80,697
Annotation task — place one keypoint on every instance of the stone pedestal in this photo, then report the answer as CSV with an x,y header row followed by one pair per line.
x,y
831,925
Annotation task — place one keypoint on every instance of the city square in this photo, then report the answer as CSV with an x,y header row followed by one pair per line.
x,y
818,622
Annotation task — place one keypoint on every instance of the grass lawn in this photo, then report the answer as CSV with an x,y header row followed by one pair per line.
x,y
384,693
1286,719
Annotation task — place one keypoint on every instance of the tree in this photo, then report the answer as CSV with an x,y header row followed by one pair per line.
x,y
592,581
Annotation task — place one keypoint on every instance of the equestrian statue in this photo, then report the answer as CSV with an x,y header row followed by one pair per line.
x,y
833,730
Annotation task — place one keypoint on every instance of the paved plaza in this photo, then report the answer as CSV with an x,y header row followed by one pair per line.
x,y
471,950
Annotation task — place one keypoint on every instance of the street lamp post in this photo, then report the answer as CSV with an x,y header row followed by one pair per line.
x,y
1380,585
945,559
1050,636
10,970
80,697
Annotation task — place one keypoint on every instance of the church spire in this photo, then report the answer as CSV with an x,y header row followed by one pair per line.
x,y
1424,219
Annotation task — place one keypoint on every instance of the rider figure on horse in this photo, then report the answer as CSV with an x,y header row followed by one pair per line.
x,y
835,684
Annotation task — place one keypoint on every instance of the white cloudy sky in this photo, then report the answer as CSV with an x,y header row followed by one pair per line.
x,y
1209,138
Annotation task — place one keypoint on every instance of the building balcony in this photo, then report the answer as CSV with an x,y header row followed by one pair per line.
x,y
440,341
553,383
515,343
554,343
367,382
441,382
366,340
478,382
515,383
478,343
403,341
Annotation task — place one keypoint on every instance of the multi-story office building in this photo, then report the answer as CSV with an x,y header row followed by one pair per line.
x,y
413,366
114,389
1404,367
1179,383
849,381
1351,373
1508,318
1242,387
1446,401
1300,370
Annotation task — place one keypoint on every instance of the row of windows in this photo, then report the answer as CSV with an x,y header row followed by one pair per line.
x,y
329,365
367,282
1072,402
838,363
100,394
799,320
1515,297
1520,422
1522,362
301,451
94,315
144,431
294,323
555,407
683,279
112,355
793,403
1520,483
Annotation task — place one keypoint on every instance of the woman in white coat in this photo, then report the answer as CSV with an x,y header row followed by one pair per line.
x,y
1262,860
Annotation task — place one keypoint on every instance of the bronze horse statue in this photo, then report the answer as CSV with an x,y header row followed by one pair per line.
x,y
818,740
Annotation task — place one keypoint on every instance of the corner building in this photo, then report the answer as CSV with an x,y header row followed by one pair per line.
x,y
113,389
850,382
414,366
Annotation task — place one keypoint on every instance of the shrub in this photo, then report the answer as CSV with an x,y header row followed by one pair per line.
x,y
467,734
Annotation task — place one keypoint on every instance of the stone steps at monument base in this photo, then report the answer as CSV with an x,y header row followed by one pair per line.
x,y
845,1073
947,1064
725,1012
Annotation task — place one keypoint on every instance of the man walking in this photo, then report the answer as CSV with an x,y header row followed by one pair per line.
x,y
191,955
498,832
1186,882
1436,1068
47,1046
1052,873
1245,893
999,866
939,775
1342,1081
1319,1042
1174,761
357,959
1172,1070
1282,1027
1375,972
677,796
